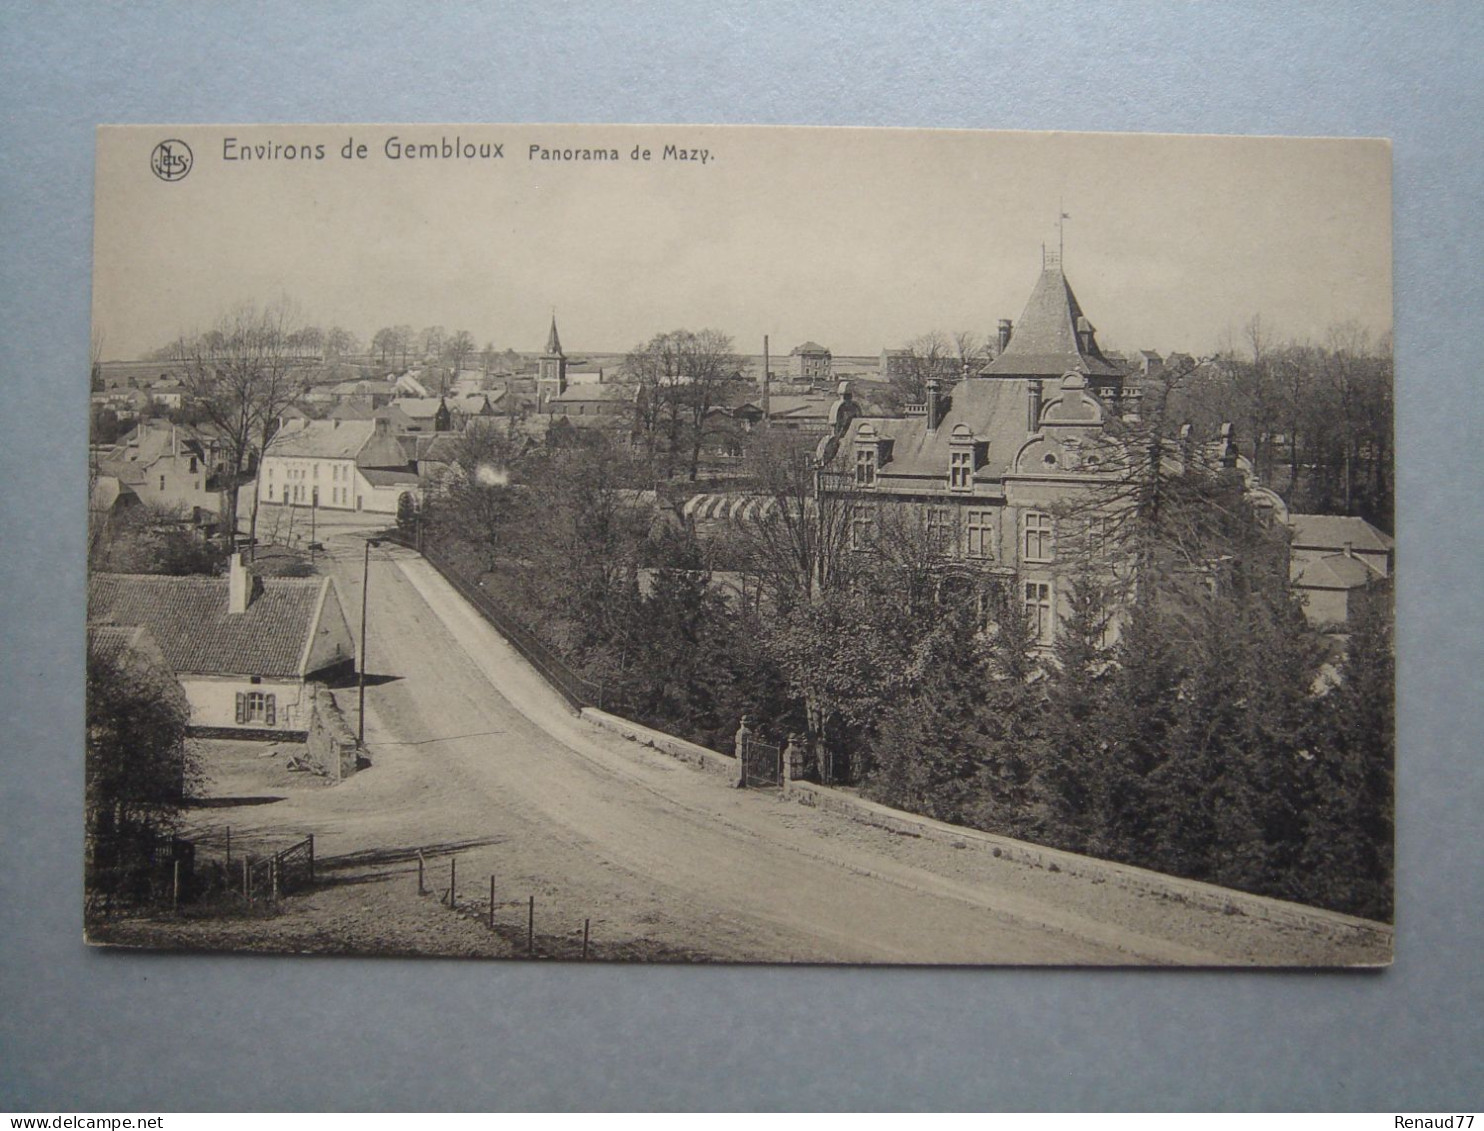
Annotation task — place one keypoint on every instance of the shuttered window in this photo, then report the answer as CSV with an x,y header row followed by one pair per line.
x,y
257,707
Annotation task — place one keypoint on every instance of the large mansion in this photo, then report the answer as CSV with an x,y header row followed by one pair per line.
x,y
988,462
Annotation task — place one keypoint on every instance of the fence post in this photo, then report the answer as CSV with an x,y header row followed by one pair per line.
x,y
453,880
741,741
246,881
175,889
586,923
492,903
273,877
229,846
311,858
531,927
420,888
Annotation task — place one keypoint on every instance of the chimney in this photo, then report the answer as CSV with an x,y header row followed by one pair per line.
x,y
767,380
1006,327
239,586
1032,404
1350,549
934,402
1228,446
1085,334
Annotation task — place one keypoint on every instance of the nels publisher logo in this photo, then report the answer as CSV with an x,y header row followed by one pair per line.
x,y
171,160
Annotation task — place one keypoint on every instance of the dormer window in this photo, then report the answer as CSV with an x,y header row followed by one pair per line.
x,y
961,470
865,467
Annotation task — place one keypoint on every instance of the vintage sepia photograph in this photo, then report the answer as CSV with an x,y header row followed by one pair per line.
x,y
741,544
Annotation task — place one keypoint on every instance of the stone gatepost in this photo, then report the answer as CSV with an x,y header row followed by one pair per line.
x,y
742,743
793,762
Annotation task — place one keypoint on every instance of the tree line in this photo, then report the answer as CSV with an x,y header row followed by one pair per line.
x,y
1213,734
1317,417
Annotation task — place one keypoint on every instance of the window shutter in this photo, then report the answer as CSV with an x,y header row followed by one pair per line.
x,y
271,702
241,707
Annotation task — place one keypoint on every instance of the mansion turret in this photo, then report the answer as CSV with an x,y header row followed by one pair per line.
x,y
993,463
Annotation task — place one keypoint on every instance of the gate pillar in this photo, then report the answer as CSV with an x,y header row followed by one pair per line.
x,y
741,743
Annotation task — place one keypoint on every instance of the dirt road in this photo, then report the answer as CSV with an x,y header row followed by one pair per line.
x,y
474,755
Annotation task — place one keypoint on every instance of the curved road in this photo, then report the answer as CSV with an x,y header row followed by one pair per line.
x,y
470,748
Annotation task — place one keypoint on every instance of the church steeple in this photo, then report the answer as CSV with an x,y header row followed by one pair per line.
x,y
551,369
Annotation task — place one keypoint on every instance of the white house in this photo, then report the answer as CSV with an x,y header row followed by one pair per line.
x,y
347,465
243,648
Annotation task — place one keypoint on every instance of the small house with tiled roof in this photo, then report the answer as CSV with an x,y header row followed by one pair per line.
x,y
1336,562
243,648
425,414
379,392
349,465
607,399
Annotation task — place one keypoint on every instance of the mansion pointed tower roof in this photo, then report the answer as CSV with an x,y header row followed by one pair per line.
x,y
553,342
1053,336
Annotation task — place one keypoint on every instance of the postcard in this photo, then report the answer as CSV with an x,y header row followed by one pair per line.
x,y
741,544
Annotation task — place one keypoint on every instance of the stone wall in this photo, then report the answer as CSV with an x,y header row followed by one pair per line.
x,y
1195,893
1209,897
330,746
696,755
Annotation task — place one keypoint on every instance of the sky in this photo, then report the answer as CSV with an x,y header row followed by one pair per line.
x,y
857,239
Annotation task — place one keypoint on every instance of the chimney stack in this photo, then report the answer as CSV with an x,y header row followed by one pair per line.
x,y
767,380
1032,405
1228,446
239,585
1006,328
934,403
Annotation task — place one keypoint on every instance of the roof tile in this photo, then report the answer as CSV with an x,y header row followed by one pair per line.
x,y
188,617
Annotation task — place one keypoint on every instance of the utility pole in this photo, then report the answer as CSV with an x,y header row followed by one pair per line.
x,y
361,657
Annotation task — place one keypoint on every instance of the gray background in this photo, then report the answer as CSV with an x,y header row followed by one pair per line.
x,y
82,1029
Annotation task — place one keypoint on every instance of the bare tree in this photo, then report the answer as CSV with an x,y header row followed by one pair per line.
x,y
242,374
459,349
475,499
680,375
970,348
403,337
931,357
384,342
307,341
339,342
797,538
655,368
707,363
